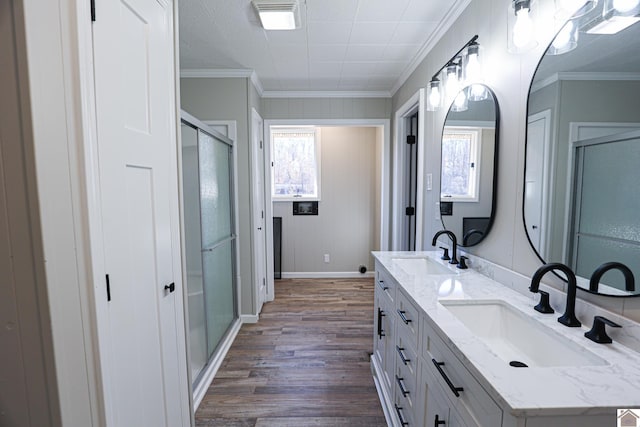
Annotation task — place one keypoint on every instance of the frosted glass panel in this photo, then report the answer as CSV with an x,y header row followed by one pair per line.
x,y
610,201
215,190
195,294
594,251
219,291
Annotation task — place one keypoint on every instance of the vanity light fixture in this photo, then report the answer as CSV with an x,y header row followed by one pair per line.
x,y
434,95
461,101
452,78
521,26
472,64
566,40
454,70
278,14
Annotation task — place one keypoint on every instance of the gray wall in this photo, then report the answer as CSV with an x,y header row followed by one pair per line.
x,y
326,108
346,225
509,76
228,99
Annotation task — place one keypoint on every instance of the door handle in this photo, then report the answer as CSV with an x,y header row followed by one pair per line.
x,y
259,228
170,287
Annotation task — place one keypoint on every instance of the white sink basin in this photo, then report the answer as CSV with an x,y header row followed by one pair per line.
x,y
515,337
417,266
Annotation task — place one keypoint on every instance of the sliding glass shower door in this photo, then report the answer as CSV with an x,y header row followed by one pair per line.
x,y
209,240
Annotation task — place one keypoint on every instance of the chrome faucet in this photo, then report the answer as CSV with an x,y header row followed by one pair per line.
x,y
629,281
569,316
454,244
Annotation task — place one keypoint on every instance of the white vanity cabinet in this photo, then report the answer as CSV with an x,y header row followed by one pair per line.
x,y
425,378
460,390
384,328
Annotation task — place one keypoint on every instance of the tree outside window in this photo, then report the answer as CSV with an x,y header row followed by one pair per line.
x,y
460,157
296,163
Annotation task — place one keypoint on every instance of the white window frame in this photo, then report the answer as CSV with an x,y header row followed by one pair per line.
x,y
474,157
318,144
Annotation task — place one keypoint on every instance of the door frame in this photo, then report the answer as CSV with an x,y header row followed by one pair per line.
x,y
415,103
257,138
385,178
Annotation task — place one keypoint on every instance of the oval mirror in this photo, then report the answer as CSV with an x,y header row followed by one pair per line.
x,y
469,154
581,201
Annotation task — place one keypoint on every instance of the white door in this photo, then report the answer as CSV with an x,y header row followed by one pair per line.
x,y
142,335
535,193
259,210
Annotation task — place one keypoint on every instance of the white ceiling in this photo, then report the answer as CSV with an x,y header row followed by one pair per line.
x,y
342,45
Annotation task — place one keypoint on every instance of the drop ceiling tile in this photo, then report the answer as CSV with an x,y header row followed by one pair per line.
x,y
325,69
298,36
332,10
286,51
364,52
421,10
327,52
372,32
381,10
413,32
400,52
293,69
357,69
389,68
329,32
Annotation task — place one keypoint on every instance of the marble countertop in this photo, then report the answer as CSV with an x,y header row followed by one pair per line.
x,y
565,390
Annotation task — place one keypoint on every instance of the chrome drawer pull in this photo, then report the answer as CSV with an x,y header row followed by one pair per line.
x,y
454,389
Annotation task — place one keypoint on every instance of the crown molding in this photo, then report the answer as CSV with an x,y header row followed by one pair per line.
x,y
326,94
257,83
583,76
446,23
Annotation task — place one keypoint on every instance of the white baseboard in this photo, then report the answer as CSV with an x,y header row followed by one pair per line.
x,y
326,275
249,318
214,365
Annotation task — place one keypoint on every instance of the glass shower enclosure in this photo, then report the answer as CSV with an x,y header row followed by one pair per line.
x,y
210,240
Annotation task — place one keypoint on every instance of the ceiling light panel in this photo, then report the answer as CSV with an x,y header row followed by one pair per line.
x,y
278,14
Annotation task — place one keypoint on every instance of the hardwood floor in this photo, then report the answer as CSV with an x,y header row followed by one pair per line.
x,y
305,363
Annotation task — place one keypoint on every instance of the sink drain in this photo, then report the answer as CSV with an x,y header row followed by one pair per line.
x,y
518,364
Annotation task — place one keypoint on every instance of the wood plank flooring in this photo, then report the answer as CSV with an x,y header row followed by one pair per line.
x,y
305,363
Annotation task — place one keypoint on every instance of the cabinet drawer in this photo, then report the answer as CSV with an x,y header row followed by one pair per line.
x,y
408,318
403,413
406,353
385,283
406,384
473,403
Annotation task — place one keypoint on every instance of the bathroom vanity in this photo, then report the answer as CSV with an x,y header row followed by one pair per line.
x,y
455,348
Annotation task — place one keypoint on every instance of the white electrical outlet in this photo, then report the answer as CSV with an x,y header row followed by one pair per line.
x,y
327,258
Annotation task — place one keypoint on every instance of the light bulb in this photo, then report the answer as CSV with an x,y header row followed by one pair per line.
x,y
523,28
477,93
452,83
473,69
460,101
624,6
434,96
564,36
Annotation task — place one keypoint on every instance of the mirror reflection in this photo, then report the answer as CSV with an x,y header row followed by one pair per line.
x,y
581,199
469,155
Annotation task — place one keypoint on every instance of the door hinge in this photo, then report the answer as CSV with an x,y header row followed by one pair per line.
x,y
411,139
410,211
93,10
262,214
108,288
261,145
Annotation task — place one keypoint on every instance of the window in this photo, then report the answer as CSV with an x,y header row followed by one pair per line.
x,y
460,164
295,153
